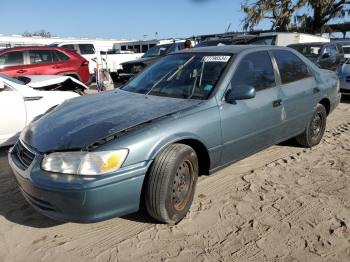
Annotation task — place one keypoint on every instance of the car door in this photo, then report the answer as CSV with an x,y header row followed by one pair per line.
x,y
251,125
299,89
12,114
12,63
42,62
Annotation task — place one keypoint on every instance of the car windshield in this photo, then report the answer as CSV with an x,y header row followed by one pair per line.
x,y
13,80
308,50
157,50
187,76
263,40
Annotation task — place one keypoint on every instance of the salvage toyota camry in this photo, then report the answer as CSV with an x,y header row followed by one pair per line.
x,y
191,113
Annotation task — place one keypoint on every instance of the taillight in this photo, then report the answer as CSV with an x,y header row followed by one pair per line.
x,y
85,63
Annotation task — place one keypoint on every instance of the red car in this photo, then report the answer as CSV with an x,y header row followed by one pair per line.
x,y
43,60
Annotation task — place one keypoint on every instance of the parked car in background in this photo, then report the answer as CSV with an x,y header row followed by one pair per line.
x,y
43,60
285,39
325,55
110,60
20,104
344,77
234,40
191,113
132,68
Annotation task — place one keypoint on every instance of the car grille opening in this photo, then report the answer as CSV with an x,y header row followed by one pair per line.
x,y
24,156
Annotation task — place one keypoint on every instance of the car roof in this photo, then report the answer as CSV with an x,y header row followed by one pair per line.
x,y
24,48
313,44
230,49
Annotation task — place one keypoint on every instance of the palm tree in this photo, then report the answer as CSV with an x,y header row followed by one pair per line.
x,y
279,12
323,12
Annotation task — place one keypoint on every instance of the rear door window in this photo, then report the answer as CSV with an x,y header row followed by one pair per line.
x,y
87,49
14,58
61,56
255,70
40,56
290,66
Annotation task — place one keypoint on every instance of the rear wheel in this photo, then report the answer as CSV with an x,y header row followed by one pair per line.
x,y
315,129
171,183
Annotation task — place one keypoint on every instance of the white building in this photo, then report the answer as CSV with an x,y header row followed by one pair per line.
x,y
7,41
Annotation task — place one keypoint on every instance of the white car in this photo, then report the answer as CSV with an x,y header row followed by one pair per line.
x,y
20,104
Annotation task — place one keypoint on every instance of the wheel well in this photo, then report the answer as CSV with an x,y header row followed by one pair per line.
x,y
327,104
202,154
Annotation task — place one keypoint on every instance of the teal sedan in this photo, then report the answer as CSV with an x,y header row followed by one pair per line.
x,y
192,113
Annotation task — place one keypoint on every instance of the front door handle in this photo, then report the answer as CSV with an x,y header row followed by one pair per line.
x,y
316,90
21,71
56,67
277,103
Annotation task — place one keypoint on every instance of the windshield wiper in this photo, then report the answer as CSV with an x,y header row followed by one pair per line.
x,y
181,67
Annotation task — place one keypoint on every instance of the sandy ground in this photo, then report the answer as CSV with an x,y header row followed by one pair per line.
x,y
283,204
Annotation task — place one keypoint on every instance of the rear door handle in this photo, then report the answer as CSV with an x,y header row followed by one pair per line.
x,y
21,71
277,103
56,67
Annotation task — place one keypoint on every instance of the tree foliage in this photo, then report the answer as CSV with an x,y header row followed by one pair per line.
x,y
323,12
42,33
281,13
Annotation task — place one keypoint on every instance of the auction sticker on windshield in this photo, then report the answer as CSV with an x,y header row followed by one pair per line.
x,y
216,58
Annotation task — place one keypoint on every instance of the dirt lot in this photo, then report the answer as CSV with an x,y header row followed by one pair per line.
x,y
283,204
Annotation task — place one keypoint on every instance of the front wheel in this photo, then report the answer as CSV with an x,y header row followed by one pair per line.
x,y
171,183
315,129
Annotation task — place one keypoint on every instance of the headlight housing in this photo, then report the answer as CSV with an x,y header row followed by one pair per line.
x,y
84,163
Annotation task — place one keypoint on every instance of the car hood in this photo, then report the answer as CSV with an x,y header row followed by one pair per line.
x,y
83,121
141,60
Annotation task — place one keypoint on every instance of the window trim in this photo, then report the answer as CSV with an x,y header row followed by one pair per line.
x,y
278,70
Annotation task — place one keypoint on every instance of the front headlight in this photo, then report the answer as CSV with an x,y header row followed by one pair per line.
x,y
84,163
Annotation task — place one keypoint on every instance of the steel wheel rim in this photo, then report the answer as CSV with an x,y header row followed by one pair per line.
x,y
316,125
182,185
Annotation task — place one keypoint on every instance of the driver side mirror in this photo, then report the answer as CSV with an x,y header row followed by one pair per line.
x,y
240,92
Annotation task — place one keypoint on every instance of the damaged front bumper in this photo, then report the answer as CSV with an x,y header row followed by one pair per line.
x,y
78,198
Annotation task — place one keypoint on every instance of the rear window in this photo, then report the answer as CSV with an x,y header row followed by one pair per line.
x,y
308,50
11,59
71,47
40,56
61,56
87,49
291,67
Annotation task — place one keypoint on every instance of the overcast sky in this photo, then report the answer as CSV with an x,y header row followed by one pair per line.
x,y
120,19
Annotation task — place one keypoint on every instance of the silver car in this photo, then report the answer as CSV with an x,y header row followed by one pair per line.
x,y
191,113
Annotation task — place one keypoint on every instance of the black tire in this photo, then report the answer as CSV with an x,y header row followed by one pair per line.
x,y
315,128
171,183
